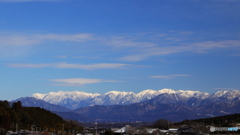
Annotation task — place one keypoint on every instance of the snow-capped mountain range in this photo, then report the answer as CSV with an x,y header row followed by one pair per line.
x,y
75,99
147,105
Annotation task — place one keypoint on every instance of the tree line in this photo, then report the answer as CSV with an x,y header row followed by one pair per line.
x,y
15,117
220,121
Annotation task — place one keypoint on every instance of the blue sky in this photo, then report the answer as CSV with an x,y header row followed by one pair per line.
x,y
124,45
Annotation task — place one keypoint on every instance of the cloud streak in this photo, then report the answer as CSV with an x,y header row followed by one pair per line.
x,y
131,48
26,0
195,47
33,39
170,76
70,66
224,88
77,81
125,42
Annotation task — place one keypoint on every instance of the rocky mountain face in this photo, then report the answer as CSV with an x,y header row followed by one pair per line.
x,y
148,105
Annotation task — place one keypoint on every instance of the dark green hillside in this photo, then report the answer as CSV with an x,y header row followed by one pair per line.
x,y
32,118
225,120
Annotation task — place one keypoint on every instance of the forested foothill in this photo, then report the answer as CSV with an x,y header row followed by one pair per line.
x,y
220,121
15,117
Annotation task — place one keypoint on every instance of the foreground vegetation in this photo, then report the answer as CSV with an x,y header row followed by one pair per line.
x,y
220,121
15,117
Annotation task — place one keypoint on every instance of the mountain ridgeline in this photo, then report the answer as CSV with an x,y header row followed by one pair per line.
x,y
148,105
75,99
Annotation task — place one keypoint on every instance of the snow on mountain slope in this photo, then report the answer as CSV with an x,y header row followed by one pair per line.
x,y
149,103
69,99
226,94
116,97
180,97
222,97
188,94
147,94
58,96
76,99
167,91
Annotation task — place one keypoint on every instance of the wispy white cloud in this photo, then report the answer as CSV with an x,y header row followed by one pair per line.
x,y
195,47
78,81
64,37
160,35
33,39
18,40
223,88
186,32
26,0
136,57
235,54
70,66
62,56
14,45
125,42
169,76
129,48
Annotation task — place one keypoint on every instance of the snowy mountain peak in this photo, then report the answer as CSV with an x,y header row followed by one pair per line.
x,y
227,94
168,91
65,98
145,92
117,93
38,95
189,93
64,94
219,93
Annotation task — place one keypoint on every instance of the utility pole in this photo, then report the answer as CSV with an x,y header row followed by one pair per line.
x,y
16,127
203,124
63,128
96,127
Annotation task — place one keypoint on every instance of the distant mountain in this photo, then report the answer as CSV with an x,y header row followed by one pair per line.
x,y
184,98
74,100
221,103
148,105
171,105
33,102
71,100
139,112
